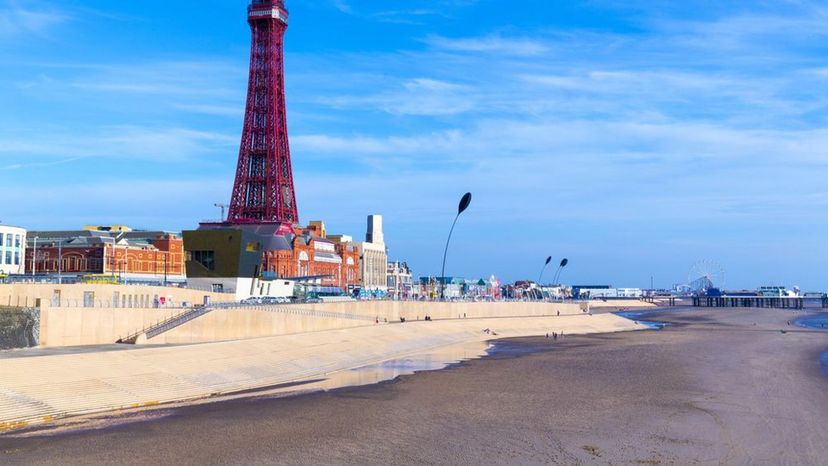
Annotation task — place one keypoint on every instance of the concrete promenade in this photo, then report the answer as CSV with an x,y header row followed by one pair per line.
x,y
39,389
100,326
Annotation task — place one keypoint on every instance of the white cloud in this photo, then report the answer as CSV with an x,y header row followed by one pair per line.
x,y
418,96
490,44
179,78
132,142
342,6
15,21
600,143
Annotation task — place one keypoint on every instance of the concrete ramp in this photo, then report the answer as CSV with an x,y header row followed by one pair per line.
x,y
40,389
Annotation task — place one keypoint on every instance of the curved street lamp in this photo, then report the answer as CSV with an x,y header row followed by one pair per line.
x,y
464,204
540,277
560,269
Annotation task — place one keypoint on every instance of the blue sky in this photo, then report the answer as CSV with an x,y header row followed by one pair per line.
x,y
634,137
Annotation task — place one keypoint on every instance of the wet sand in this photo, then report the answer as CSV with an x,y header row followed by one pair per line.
x,y
717,387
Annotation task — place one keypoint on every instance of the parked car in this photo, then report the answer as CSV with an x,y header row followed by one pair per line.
x,y
251,300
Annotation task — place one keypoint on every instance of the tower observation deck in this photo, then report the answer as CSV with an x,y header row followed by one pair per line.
x,y
263,192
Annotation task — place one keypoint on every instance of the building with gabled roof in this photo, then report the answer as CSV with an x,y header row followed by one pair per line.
x,y
129,255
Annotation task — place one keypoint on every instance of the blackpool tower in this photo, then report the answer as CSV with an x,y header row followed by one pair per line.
x,y
263,192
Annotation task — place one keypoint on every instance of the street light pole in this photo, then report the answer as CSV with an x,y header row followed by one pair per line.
x,y
34,257
60,262
222,207
464,204
563,264
560,269
540,277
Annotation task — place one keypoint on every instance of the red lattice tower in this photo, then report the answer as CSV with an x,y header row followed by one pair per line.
x,y
263,192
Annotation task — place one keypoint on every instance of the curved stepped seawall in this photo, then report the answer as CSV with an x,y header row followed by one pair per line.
x,y
39,389
61,327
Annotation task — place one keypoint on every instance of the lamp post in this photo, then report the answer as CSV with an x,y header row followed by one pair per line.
x,y
34,257
60,262
464,204
540,277
563,264
222,207
560,268
113,263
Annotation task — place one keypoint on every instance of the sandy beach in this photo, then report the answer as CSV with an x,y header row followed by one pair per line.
x,y
716,387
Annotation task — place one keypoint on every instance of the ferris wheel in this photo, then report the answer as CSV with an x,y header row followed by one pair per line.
x,y
704,275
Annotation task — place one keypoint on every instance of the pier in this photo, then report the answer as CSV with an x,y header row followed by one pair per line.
x,y
777,302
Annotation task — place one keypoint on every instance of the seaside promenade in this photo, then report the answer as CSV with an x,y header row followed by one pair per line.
x,y
38,387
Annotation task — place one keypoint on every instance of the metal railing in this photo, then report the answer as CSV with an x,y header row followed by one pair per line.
x,y
293,309
166,325
162,326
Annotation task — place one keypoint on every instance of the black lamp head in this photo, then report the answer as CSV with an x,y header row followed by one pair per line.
x,y
464,203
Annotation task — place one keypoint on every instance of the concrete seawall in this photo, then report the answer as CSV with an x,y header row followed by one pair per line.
x,y
98,295
39,389
95,326
264,321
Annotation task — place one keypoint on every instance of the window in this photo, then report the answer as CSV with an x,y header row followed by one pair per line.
x,y
8,240
8,258
16,241
1,240
206,259
16,257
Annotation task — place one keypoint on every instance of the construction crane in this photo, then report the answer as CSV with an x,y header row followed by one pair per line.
x,y
223,208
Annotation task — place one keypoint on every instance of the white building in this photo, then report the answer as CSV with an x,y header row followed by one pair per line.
x,y
400,285
604,292
12,250
555,291
777,291
374,263
630,292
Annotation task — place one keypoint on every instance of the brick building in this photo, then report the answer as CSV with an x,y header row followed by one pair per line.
x,y
309,253
146,256
306,255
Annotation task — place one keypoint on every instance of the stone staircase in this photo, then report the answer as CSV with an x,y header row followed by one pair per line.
x,y
165,326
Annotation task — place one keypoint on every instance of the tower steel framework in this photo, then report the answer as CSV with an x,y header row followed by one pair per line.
x,y
263,191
